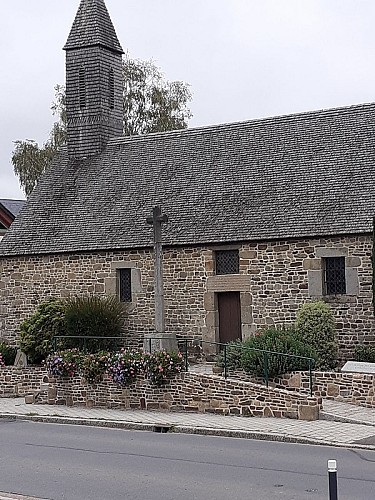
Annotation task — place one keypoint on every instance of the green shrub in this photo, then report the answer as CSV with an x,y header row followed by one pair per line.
x,y
232,355
8,353
93,316
363,353
36,333
315,325
278,340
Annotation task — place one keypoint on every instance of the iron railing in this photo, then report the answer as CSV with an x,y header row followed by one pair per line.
x,y
266,356
187,343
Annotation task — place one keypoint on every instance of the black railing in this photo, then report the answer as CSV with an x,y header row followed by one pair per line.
x,y
83,341
187,343
223,348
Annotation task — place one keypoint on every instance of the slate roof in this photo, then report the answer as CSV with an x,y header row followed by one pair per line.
x,y
13,206
301,175
93,26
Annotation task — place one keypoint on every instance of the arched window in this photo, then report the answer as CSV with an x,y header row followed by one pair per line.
x,y
111,89
82,88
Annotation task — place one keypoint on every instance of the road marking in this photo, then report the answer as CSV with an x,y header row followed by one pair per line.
x,y
11,496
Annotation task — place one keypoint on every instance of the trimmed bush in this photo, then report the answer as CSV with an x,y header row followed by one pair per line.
x,y
278,340
315,326
8,353
94,316
36,333
364,353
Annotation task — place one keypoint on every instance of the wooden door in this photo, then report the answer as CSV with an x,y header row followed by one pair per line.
x,y
229,305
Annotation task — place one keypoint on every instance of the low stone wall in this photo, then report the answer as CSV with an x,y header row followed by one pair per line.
x,y
354,388
16,381
186,392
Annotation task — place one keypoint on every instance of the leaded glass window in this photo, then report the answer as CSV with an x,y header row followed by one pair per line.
x,y
227,262
334,276
125,285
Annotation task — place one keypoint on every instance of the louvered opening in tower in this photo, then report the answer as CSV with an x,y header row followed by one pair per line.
x,y
82,88
111,89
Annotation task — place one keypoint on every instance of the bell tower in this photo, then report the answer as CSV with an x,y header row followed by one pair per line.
x,y
94,84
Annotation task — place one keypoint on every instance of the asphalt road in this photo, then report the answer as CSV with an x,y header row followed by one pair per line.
x,y
84,463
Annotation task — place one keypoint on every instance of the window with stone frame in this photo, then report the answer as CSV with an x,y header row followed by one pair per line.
x,y
124,287
334,277
227,262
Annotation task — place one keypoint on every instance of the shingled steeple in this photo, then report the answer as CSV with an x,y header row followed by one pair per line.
x,y
93,81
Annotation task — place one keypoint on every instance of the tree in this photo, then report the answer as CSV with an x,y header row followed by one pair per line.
x,y
151,104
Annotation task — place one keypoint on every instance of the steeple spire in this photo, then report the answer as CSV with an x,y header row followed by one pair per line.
x,y
93,27
94,84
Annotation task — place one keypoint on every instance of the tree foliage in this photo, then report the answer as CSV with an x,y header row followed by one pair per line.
x,y
151,104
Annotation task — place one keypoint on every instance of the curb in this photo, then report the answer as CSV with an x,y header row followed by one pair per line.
x,y
180,429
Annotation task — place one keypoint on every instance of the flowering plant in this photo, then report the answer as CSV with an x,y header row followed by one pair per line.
x,y
93,366
161,365
63,363
124,366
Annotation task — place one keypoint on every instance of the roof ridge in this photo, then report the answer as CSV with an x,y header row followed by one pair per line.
x,y
239,124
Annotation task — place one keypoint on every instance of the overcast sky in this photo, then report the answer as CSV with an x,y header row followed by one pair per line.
x,y
244,59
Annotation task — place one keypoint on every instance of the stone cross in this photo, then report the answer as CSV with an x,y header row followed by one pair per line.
x,y
157,220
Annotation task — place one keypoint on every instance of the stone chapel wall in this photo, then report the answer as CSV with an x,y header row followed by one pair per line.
x,y
275,278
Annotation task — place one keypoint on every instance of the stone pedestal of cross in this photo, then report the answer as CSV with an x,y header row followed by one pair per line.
x,y
158,340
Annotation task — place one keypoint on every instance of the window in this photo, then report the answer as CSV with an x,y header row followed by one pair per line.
x,y
227,262
125,285
334,282
82,88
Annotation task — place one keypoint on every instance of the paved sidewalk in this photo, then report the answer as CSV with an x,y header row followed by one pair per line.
x,y
323,432
345,412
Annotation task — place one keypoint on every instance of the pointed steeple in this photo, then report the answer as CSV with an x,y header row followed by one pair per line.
x,y
93,26
94,84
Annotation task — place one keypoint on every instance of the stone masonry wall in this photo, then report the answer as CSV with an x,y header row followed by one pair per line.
x,y
16,381
354,388
275,279
187,392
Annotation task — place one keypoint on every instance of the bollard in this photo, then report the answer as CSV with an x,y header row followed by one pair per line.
x,y
332,479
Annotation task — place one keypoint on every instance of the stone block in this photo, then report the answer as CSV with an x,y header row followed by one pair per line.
x,y
315,283
312,264
30,399
267,412
333,390
52,393
295,380
306,412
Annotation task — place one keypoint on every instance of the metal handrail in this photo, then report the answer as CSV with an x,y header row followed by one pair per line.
x,y
266,353
196,342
